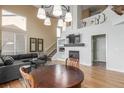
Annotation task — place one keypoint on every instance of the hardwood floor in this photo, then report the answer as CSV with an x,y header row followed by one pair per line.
x,y
94,77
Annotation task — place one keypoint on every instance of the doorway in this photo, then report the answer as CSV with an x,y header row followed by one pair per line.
x,y
99,50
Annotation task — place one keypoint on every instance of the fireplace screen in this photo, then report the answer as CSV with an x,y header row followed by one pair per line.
x,y
74,54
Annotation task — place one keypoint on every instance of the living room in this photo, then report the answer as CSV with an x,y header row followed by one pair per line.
x,y
91,37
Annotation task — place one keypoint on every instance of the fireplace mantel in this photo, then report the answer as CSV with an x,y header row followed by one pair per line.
x,y
74,45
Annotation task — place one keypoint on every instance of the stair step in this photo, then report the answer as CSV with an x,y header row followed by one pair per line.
x,y
52,53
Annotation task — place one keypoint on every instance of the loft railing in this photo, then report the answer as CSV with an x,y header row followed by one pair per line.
x,y
93,20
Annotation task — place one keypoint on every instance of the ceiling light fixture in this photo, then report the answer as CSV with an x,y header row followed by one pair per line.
x,y
61,12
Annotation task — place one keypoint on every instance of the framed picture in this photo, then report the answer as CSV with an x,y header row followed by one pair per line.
x,y
40,45
33,44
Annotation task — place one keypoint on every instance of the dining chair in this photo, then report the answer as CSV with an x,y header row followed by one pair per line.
x,y
28,78
72,62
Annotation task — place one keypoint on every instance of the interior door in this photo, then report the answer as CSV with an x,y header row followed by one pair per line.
x,y
99,48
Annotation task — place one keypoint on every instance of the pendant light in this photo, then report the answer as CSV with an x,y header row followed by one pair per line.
x,y
41,13
68,17
60,22
57,11
47,21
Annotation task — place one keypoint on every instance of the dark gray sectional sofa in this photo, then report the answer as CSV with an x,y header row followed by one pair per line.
x,y
11,72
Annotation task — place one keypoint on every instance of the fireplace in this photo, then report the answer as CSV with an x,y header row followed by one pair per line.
x,y
74,54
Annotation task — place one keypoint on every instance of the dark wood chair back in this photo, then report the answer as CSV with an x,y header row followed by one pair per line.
x,y
72,62
28,78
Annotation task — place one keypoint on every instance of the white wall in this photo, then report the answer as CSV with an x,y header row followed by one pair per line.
x,y
34,27
116,48
114,42
87,33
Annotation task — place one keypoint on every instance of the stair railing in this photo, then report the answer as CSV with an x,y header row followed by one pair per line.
x,y
51,48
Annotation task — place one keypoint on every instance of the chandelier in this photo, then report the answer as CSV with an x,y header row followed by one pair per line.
x,y
56,11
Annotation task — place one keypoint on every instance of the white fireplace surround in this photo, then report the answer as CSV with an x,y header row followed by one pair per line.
x,y
67,49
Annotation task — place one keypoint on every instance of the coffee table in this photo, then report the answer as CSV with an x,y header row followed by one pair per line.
x,y
57,76
37,62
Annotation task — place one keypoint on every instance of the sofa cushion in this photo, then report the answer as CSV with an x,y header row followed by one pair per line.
x,y
15,57
8,60
20,63
22,56
26,60
25,56
1,62
34,55
28,55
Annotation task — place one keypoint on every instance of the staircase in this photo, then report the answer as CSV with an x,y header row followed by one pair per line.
x,y
51,51
52,54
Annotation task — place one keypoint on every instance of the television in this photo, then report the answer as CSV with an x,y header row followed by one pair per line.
x,y
73,39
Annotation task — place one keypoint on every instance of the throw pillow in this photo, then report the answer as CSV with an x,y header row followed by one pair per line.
x,y
8,60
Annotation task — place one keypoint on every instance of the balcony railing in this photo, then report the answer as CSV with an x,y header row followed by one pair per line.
x,y
93,20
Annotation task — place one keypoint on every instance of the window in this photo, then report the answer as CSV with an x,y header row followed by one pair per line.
x,y
14,34
13,43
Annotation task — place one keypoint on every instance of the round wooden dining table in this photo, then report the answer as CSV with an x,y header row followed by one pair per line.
x,y
57,76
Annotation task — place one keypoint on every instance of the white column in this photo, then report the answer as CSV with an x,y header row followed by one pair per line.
x,y
74,17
